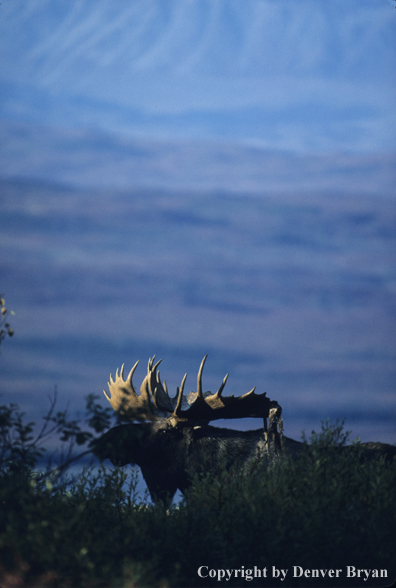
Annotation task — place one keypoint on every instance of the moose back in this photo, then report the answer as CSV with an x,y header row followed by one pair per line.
x,y
170,439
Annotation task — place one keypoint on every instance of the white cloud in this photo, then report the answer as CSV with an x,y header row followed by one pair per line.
x,y
199,56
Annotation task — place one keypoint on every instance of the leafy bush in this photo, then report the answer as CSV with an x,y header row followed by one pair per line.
x,y
5,328
328,509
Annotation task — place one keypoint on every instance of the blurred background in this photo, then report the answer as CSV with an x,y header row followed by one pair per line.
x,y
182,177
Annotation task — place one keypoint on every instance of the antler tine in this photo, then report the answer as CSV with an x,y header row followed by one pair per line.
x,y
161,384
130,375
111,382
158,380
199,378
159,392
151,366
252,392
154,401
179,394
220,390
215,406
152,374
124,399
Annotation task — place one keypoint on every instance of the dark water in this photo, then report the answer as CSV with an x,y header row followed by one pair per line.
x,y
294,294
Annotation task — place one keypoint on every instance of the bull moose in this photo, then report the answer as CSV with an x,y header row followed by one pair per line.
x,y
170,439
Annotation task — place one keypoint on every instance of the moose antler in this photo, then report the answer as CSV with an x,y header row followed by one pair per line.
x,y
124,399
155,403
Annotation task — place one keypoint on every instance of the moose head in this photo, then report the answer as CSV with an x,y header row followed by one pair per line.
x,y
170,438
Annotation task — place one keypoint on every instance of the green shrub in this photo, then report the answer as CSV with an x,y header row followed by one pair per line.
x,y
330,508
5,328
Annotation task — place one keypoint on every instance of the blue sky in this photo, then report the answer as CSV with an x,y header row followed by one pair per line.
x,y
307,76
189,176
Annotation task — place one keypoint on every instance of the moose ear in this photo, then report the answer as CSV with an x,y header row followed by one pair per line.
x,y
118,443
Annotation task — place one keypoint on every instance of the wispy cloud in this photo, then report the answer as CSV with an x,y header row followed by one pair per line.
x,y
184,58
295,296
230,176
86,158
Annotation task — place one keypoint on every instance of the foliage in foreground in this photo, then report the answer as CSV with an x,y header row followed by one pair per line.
x,y
328,509
5,328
